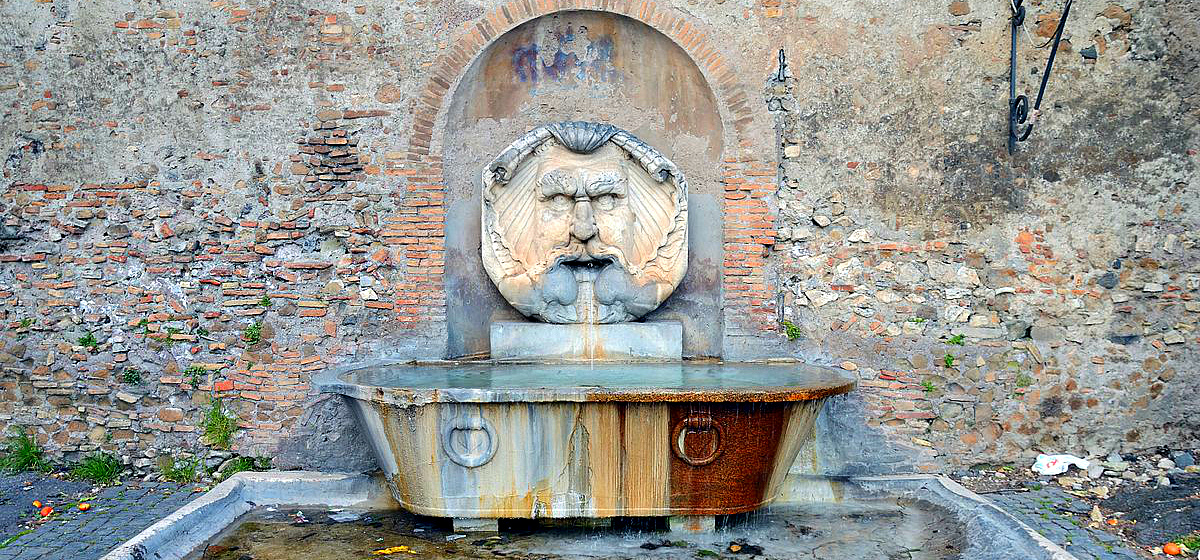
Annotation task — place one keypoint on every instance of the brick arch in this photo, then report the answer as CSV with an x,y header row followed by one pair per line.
x,y
418,231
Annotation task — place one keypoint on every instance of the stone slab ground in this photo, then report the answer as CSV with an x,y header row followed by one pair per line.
x,y
148,514
117,514
1062,518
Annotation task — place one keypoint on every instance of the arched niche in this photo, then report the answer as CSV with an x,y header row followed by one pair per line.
x,y
594,66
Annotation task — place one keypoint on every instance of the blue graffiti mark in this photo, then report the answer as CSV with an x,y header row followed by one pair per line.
x,y
599,56
524,61
563,62
566,53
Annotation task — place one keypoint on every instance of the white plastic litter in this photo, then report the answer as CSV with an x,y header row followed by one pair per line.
x,y
1057,464
345,516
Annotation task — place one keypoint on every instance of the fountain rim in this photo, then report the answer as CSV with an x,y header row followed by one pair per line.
x,y
332,381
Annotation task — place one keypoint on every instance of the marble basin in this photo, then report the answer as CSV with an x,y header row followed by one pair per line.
x,y
484,440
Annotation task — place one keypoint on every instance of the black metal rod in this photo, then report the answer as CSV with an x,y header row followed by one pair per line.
x,y
1045,76
1053,51
1017,17
1018,105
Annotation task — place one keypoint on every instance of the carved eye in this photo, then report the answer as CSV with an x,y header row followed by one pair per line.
x,y
606,201
560,202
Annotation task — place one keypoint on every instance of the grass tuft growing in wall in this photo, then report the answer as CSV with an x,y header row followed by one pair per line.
x,y
219,425
22,453
790,330
89,341
195,375
253,332
181,471
130,376
242,463
98,468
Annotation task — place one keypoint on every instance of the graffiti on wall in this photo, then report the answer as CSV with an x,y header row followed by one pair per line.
x,y
566,53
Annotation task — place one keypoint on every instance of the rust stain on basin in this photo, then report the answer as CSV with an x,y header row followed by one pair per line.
x,y
553,441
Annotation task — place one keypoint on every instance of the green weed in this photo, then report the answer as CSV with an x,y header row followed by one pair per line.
x,y
253,332
22,453
241,463
89,341
195,375
265,301
1024,380
14,538
917,320
219,425
26,323
130,376
956,340
928,386
98,468
181,471
165,336
948,359
790,330
1192,541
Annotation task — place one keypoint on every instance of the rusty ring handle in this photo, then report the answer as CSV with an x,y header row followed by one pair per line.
x,y
696,422
472,458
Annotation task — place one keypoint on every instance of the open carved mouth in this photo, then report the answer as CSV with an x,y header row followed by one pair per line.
x,y
585,264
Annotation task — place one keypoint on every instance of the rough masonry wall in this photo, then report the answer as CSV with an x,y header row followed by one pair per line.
x,y
996,307
228,196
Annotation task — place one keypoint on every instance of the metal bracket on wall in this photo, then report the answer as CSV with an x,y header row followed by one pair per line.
x,y
1018,105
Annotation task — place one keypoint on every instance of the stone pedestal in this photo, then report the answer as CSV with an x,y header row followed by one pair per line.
x,y
476,525
692,523
659,341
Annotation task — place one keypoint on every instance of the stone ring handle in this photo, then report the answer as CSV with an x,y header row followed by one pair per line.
x,y
696,423
468,457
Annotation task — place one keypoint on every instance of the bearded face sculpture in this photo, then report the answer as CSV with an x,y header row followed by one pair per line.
x,y
584,223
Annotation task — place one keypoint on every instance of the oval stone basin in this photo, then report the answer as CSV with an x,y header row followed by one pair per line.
x,y
484,440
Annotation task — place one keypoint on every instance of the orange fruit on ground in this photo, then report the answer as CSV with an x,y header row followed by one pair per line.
x,y
85,506
1112,521
46,511
37,504
1172,549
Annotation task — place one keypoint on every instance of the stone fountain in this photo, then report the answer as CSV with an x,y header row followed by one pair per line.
x,y
584,411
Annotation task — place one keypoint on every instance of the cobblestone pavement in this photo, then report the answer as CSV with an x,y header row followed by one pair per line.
x,y
1063,518
18,491
117,514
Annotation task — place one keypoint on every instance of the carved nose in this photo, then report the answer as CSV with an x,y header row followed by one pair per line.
x,y
584,227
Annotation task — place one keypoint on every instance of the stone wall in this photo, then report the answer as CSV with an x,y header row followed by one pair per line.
x,y
222,197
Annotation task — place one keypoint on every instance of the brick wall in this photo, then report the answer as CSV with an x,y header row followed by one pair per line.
x,y
177,178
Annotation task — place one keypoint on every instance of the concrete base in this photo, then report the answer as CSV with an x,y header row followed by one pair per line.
x,y
179,534
623,342
693,523
991,534
476,525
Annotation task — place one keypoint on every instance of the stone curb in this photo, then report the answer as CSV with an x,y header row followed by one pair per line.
x,y
189,527
990,516
993,534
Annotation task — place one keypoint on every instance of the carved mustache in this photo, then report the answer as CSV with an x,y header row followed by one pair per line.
x,y
593,250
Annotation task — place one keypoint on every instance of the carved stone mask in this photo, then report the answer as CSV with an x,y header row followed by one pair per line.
x,y
584,223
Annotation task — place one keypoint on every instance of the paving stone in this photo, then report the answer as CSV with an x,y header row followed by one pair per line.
x,y
1046,510
117,514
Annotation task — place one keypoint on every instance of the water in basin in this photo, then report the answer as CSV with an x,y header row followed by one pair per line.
x,y
609,375
878,527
